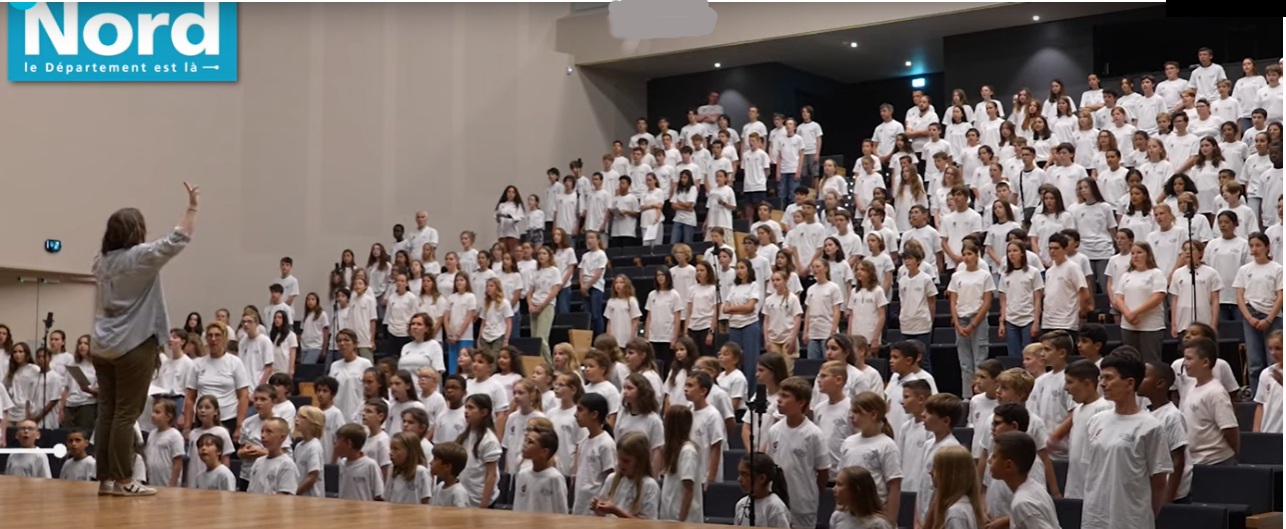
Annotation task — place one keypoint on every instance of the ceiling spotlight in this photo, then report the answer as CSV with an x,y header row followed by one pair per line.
x,y
1035,18
569,70
717,65
908,64
852,44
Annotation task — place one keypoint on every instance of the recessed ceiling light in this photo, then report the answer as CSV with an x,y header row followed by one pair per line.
x,y
908,63
717,65
1035,17
852,44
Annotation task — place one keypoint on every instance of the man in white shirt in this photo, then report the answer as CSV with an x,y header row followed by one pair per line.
x,y
918,121
1205,76
886,133
916,96
790,158
752,126
423,234
620,161
811,133
1028,183
640,126
958,222
708,114
1127,459
638,172
775,135
1171,89
289,285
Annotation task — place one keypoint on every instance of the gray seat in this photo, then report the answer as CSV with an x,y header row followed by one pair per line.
x,y
1258,448
1193,516
721,502
1249,485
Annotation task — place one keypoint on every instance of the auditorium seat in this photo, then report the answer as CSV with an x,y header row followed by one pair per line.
x,y
731,459
1060,472
1069,512
964,435
720,502
1245,415
906,509
1258,448
310,372
301,400
807,367
1250,485
825,506
1195,516
331,475
734,437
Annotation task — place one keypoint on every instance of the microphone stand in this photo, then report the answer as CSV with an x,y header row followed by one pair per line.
x,y
758,407
1192,262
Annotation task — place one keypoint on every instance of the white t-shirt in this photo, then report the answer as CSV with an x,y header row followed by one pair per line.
x,y
220,376
590,263
1019,288
1176,437
609,392
955,225
1122,454
822,300
916,293
800,452
863,305
703,299
769,512
970,287
755,164
595,458
377,449
543,491
494,317
1136,286
218,479
788,153
487,451
810,131
360,479
1261,283
1227,256
661,308
672,488
308,457
1208,281
399,489
421,354
620,314
649,498
257,355
1269,396
350,397
740,295
274,475
708,430
1032,507
159,453
780,312
1207,411
461,303
1050,401
832,419
1076,440
1061,305
926,490
878,454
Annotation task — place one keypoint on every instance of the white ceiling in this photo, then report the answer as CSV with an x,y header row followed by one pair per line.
x,y
882,51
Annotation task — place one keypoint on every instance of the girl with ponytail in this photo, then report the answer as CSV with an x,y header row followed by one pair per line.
x,y
769,490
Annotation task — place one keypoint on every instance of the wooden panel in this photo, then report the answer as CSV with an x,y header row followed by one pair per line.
x,y
59,503
581,340
530,362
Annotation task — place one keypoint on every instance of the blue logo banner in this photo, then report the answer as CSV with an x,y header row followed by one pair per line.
x,y
122,41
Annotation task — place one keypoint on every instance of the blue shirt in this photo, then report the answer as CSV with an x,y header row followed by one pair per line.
x,y
130,307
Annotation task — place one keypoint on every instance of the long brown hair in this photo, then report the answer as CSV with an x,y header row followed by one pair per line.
x,y
633,444
125,229
958,479
871,403
863,498
677,426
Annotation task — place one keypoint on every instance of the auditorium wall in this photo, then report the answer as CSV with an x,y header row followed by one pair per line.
x,y
346,119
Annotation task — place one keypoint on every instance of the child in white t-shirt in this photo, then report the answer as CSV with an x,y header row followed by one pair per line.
x,y
596,455
1049,398
409,480
1207,410
374,412
215,475
540,487
770,509
1155,391
1010,464
797,443
941,413
163,452
80,466
449,460
917,291
274,473
830,413
1268,400
681,484
481,475
872,448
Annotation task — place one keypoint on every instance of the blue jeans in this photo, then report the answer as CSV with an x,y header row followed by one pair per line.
x,y
310,356
925,339
1257,346
595,301
1017,338
751,339
817,349
515,331
563,303
682,233
786,187
971,350
453,352
1229,312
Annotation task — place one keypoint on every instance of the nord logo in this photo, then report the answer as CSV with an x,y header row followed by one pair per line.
x,y
122,41
65,42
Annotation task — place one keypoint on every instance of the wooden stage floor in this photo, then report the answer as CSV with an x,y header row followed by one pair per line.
x,y
58,503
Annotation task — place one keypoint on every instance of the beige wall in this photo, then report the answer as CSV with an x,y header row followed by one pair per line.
x,y
23,305
347,119
588,37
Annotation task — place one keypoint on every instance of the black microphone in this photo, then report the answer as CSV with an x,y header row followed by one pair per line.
x,y
760,404
49,320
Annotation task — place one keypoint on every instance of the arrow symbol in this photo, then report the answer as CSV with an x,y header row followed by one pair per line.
x,y
215,67
59,451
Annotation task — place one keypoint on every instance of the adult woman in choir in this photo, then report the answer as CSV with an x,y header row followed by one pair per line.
x,y
130,324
